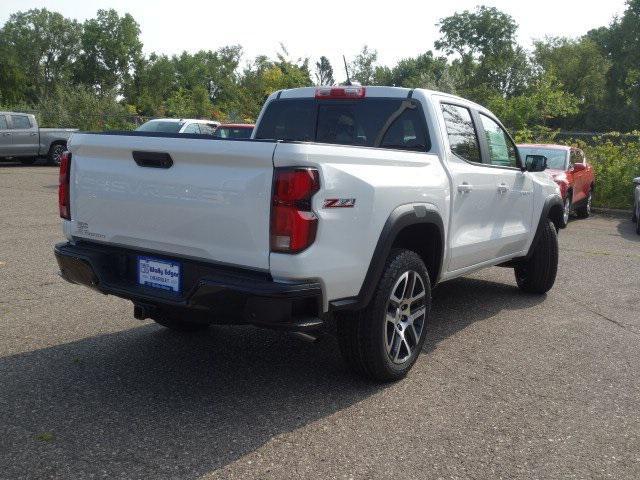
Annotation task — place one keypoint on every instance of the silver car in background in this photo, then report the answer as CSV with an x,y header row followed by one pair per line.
x,y
179,125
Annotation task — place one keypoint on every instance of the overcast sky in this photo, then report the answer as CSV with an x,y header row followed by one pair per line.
x,y
324,27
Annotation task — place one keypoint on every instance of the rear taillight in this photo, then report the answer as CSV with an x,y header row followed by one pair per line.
x,y
293,223
340,92
64,202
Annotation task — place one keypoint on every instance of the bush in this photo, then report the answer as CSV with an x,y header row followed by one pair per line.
x,y
79,107
616,165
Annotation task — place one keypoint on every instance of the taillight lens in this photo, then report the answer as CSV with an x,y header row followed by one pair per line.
x,y
293,223
341,92
64,202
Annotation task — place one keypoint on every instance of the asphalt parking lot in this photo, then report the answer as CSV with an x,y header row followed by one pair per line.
x,y
508,386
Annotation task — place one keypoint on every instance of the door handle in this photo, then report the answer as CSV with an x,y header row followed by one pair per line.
x,y
32,134
6,134
503,188
465,187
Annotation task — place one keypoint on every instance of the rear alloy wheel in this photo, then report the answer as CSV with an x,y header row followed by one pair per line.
x,y
55,154
383,341
585,209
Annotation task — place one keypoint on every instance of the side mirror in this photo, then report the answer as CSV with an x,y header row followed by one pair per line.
x,y
535,163
636,181
578,167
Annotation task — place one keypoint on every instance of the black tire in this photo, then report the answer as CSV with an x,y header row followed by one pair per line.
x,y
175,323
637,224
28,160
538,274
363,336
584,210
55,152
566,212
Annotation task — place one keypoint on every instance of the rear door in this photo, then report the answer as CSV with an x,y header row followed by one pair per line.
x,y
475,199
24,135
202,198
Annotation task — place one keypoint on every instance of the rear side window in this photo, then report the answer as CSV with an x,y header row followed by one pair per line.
x,y
192,128
289,120
20,121
375,122
160,127
3,123
206,129
461,132
232,132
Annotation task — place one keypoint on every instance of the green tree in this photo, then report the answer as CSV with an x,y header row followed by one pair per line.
x,y
265,76
581,68
324,72
620,43
363,67
488,58
545,100
37,51
110,49
423,71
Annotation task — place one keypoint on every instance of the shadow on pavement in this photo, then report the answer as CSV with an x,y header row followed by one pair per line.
x,y
14,164
148,403
627,229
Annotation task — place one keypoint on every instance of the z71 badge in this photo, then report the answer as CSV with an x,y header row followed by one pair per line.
x,y
339,203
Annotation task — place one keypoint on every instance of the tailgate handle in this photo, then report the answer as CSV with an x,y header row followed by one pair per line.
x,y
153,159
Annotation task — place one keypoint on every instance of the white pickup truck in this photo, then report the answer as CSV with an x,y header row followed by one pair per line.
x,y
348,203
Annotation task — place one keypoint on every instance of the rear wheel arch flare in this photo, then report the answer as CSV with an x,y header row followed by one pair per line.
x,y
403,229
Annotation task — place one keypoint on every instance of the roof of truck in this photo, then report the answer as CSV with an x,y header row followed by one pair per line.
x,y
373,91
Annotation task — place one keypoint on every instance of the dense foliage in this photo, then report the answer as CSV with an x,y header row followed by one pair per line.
x,y
93,75
52,64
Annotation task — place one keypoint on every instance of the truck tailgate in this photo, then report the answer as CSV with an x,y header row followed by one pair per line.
x,y
212,203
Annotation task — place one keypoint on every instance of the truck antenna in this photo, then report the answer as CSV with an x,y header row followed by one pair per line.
x,y
346,69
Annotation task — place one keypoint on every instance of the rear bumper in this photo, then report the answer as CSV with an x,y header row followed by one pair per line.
x,y
210,292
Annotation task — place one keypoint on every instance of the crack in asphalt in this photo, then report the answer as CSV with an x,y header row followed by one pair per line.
x,y
602,315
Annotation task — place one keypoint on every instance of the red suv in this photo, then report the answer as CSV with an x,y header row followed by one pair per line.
x,y
569,168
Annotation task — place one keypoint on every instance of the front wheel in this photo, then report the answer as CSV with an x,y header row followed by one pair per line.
x,y
538,273
383,341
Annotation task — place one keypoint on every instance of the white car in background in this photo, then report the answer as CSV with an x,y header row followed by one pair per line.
x,y
179,125
636,204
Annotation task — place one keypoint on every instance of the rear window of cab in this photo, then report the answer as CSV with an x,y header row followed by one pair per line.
x,y
394,123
